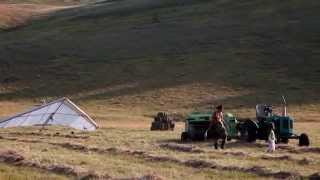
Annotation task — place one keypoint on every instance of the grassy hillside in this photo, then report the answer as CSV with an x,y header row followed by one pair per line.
x,y
180,54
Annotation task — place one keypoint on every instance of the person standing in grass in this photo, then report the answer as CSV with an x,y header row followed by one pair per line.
x,y
216,129
271,141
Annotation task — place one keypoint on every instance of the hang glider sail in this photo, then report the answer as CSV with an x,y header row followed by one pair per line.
x,y
61,112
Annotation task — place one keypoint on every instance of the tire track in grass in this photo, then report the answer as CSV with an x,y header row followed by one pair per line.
x,y
15,159
73,136
300,150
193,149
198,164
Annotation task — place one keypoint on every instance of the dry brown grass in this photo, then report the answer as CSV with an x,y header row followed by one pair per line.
x,y
127,127
134,152
136,109
18,173
14,15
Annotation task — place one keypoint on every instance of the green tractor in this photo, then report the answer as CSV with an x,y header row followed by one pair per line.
x,y
266,119
197,124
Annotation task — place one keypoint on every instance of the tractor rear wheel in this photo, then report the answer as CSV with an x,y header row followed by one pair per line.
x,y
252,131
184,137
304,140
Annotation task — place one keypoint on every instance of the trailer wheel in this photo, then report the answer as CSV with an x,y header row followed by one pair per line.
x,y
304,140
172,126
252,131
184,136
229,138
285,140
153,126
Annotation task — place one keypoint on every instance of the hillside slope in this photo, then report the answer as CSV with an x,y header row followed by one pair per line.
x,y
168,54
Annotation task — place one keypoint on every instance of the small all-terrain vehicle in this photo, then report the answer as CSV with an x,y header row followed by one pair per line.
x,y
162,122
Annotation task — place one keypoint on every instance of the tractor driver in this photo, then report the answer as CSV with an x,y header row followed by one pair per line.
x,y
216,129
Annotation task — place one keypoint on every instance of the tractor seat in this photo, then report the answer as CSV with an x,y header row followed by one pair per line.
x,y
263,111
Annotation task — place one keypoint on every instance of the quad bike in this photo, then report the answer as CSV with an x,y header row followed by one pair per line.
x,y
162,122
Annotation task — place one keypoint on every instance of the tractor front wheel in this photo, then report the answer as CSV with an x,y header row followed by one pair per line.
x,y
304,140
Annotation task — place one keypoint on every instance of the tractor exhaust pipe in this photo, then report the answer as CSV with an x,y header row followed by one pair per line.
x,y
284,106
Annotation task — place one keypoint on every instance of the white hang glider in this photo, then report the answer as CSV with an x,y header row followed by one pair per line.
x,y
61,112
